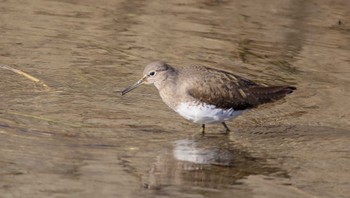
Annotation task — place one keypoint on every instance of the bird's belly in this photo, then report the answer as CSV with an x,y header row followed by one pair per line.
x,y
205,114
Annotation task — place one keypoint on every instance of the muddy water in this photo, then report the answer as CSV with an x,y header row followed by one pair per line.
x,y
80,138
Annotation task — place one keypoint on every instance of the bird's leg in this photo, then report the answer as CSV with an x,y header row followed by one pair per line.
x,y
227,129
203,129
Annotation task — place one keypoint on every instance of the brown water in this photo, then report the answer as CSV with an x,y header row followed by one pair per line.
x,y
80,138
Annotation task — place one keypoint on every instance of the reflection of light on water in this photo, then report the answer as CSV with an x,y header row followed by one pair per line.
x,y
188,150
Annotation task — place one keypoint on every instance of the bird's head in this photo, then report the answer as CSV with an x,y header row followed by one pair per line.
x,y
154,73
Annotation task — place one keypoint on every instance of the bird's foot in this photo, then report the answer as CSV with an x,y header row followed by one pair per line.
x,y
203,129
227,130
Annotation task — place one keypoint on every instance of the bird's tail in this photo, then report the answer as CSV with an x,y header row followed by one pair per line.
x,y
270,94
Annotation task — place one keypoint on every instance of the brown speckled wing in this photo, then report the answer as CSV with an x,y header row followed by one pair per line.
x,y
226,90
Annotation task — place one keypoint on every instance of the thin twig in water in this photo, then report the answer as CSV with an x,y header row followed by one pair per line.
x,y
30,77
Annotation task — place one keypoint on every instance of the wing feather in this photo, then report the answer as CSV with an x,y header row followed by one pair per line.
x,y
226,90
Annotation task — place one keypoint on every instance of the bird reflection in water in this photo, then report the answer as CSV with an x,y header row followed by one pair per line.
x,y
208,161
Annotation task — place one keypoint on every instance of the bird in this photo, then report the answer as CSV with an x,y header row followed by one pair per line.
x,y
206,95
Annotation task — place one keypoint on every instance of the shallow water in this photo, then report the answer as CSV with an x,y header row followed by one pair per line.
x,y
80,138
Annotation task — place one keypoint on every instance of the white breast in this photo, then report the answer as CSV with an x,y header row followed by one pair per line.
x,y
205,114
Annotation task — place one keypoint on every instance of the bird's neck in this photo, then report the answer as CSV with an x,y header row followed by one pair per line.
x,y
168,80
168,90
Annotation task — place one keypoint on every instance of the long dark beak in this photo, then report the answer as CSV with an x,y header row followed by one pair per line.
x,y
134,86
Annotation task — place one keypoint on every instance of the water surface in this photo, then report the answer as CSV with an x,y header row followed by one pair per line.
x,y
80,138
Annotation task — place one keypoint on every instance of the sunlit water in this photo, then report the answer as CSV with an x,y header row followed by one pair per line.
x,y
80,138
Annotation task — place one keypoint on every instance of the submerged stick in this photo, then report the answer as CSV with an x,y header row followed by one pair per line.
x,y
30,77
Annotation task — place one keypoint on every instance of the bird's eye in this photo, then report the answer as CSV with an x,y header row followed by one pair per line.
x,y
152,73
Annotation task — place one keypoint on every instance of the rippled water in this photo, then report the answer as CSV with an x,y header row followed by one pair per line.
x,y
80,138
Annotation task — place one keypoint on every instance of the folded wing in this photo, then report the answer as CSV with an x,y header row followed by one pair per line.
x,y
226,90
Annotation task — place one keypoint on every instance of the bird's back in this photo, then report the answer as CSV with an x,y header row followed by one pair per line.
x,y
228,91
